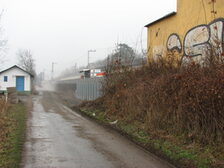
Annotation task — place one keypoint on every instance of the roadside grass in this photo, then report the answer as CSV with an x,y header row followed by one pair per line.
x,y
173,149
12,136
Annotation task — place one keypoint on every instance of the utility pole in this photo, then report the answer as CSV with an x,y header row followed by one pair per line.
x,y
43,75
88,57
52,70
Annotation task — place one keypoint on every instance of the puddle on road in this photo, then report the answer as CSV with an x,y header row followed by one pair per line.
x,y
54,141
60,138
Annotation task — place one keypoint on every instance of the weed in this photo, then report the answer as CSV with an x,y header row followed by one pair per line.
x,y
12,136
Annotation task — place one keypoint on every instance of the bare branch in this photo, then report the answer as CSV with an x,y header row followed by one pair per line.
x,y
26,61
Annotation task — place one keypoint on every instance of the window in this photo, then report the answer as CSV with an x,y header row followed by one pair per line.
x,y
5,78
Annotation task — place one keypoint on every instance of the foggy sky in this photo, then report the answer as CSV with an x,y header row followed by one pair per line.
x,y
62,31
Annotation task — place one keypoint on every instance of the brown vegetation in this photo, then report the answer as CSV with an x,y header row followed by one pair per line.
x,y
179,104
12,133
3,119
5,122
186,100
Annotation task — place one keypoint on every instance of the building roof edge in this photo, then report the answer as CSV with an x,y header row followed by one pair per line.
x,y
162,18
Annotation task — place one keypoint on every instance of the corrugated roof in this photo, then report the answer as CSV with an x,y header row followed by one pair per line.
x,y
164,17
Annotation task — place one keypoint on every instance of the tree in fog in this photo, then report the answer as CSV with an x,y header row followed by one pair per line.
x,y
3,42
26,61
123,54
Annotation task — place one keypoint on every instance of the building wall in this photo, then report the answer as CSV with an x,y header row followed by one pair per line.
x,y
198,24
12,73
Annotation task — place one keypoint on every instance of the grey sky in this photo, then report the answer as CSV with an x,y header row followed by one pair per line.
x,y
62,31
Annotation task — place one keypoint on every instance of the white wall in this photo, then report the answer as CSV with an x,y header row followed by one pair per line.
x,y
12,73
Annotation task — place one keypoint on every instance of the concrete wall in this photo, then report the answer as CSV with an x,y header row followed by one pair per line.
x,y
12,73
198,24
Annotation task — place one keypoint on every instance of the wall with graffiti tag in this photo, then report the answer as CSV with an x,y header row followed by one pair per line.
x,y
196,29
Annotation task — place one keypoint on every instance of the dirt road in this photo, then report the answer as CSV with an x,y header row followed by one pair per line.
x,y
60,138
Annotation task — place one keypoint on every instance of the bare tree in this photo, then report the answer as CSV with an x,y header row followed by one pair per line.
x,y
3,41
26,60
123,54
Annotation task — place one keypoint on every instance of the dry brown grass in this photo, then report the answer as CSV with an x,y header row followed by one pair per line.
x,y
3,119
169,98
3,104
3,107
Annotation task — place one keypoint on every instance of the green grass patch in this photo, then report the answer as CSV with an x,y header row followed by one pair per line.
x,y
12,139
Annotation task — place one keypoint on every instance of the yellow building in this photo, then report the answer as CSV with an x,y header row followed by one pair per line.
x,y
196,26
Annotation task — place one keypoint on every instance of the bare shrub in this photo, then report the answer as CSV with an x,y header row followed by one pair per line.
x,y
167,97
3,104
3,118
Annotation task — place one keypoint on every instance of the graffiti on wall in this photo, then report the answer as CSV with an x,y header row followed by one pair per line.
x,y
158,51
174,43
200,40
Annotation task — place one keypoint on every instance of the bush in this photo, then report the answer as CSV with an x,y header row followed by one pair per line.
x,y
3,119
169,98
12,135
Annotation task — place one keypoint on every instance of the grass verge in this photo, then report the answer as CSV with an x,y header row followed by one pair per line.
x,y
13,136
171,149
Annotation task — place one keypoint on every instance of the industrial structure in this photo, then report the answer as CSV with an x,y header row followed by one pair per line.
x,y
191,32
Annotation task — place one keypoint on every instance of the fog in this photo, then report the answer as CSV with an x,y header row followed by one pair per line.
x,y
62,31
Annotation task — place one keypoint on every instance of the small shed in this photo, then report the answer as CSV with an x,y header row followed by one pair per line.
x,y
16,77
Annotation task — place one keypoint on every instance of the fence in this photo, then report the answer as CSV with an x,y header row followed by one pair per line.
x,y
84,89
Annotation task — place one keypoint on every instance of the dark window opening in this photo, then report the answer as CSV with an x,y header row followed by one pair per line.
x,y
5,78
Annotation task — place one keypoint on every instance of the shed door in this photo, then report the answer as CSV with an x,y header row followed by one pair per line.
x,y
20,83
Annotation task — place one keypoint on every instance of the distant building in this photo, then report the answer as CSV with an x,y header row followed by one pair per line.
x,y
15,77
196,27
